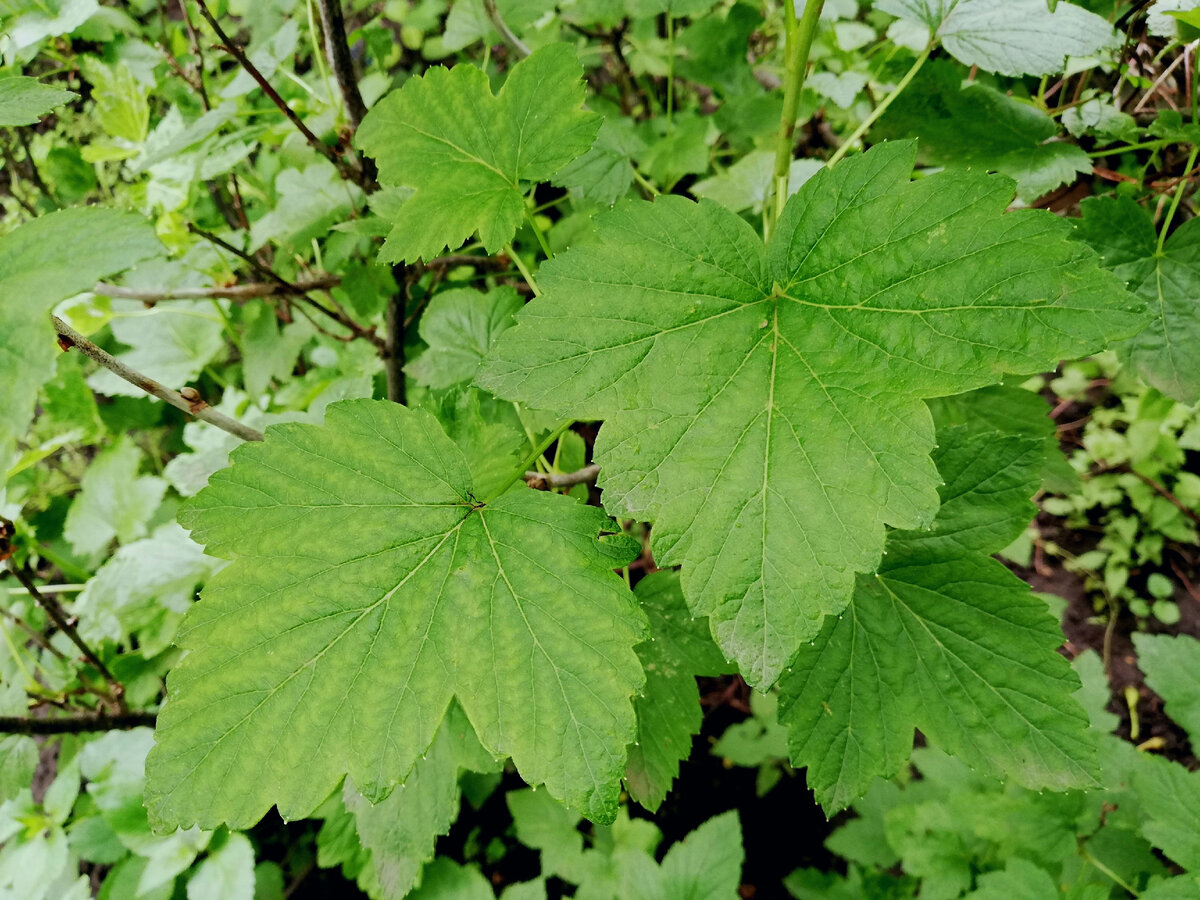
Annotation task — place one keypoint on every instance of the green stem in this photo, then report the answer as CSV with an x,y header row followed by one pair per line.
x,y
882,107
799,38
670,69
531,459
523,269
1113,151
645,184
1088,857
1183,183
541,238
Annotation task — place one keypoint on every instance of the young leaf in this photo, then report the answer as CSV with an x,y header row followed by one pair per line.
x,y
1167,352
1172,669
763,405
23,100
668,711
469,154
947,640
1010,37
42,262
459,326
368,588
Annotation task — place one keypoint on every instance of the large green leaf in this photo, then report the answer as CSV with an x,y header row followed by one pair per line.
x,y
1171,665
1167,352
945,639
469,154
369,586
1011,37
763,405
42,262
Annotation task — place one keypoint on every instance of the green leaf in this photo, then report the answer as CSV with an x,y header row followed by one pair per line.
x,y
1010,37
23,100
1165,790
763,405
1167,352
459,326
1020,880
668,711
944,639
1172,669
469,154
226,874
114,502
978,126
746,184
369,587
444,879
18,753
42,262
705,865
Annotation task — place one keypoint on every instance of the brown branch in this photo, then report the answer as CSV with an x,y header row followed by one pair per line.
x,y
245,291
99,721
337,50
59,618
345,170
190,403
543,481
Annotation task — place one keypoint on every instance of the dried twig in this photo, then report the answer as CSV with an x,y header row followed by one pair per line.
x,y
190,403
543,481
245,291
99,721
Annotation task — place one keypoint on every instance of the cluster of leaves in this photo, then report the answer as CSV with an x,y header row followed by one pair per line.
x,y
416,243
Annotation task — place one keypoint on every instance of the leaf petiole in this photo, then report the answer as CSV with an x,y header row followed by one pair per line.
x,y
531,459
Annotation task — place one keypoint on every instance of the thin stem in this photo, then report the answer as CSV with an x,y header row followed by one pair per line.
x,y
510,39
98,721
1166,225
541,238
56,615
879,110
34,635
244,61
799,35
68,337
1113,151
670,69
523,269
531,458
231,292
547,480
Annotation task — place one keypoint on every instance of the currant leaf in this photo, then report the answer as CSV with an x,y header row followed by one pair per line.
x,y
368,588
469,153
763,406
24,100
945,639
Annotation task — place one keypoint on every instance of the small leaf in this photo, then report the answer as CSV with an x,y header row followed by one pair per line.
x,y
23,100
469,154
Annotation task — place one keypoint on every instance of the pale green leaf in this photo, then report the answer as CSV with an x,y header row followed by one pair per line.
x,y
1167,352
45,261
226,874
944,639
444,879
460,325
1019,880
746,184
470,154
1172,669
369,587
113,502
763,406
1010,37
24,100
18,753
668,711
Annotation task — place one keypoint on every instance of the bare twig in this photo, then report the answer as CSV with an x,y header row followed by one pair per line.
x,y
517,45
59,618
315,142
543,481
68,337
99,721
246,291
393,349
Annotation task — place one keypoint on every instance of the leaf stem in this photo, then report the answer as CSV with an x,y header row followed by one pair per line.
x,y
879,110
531,459
523,269
1113,151
799,37
507,35
1166,225
541,238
